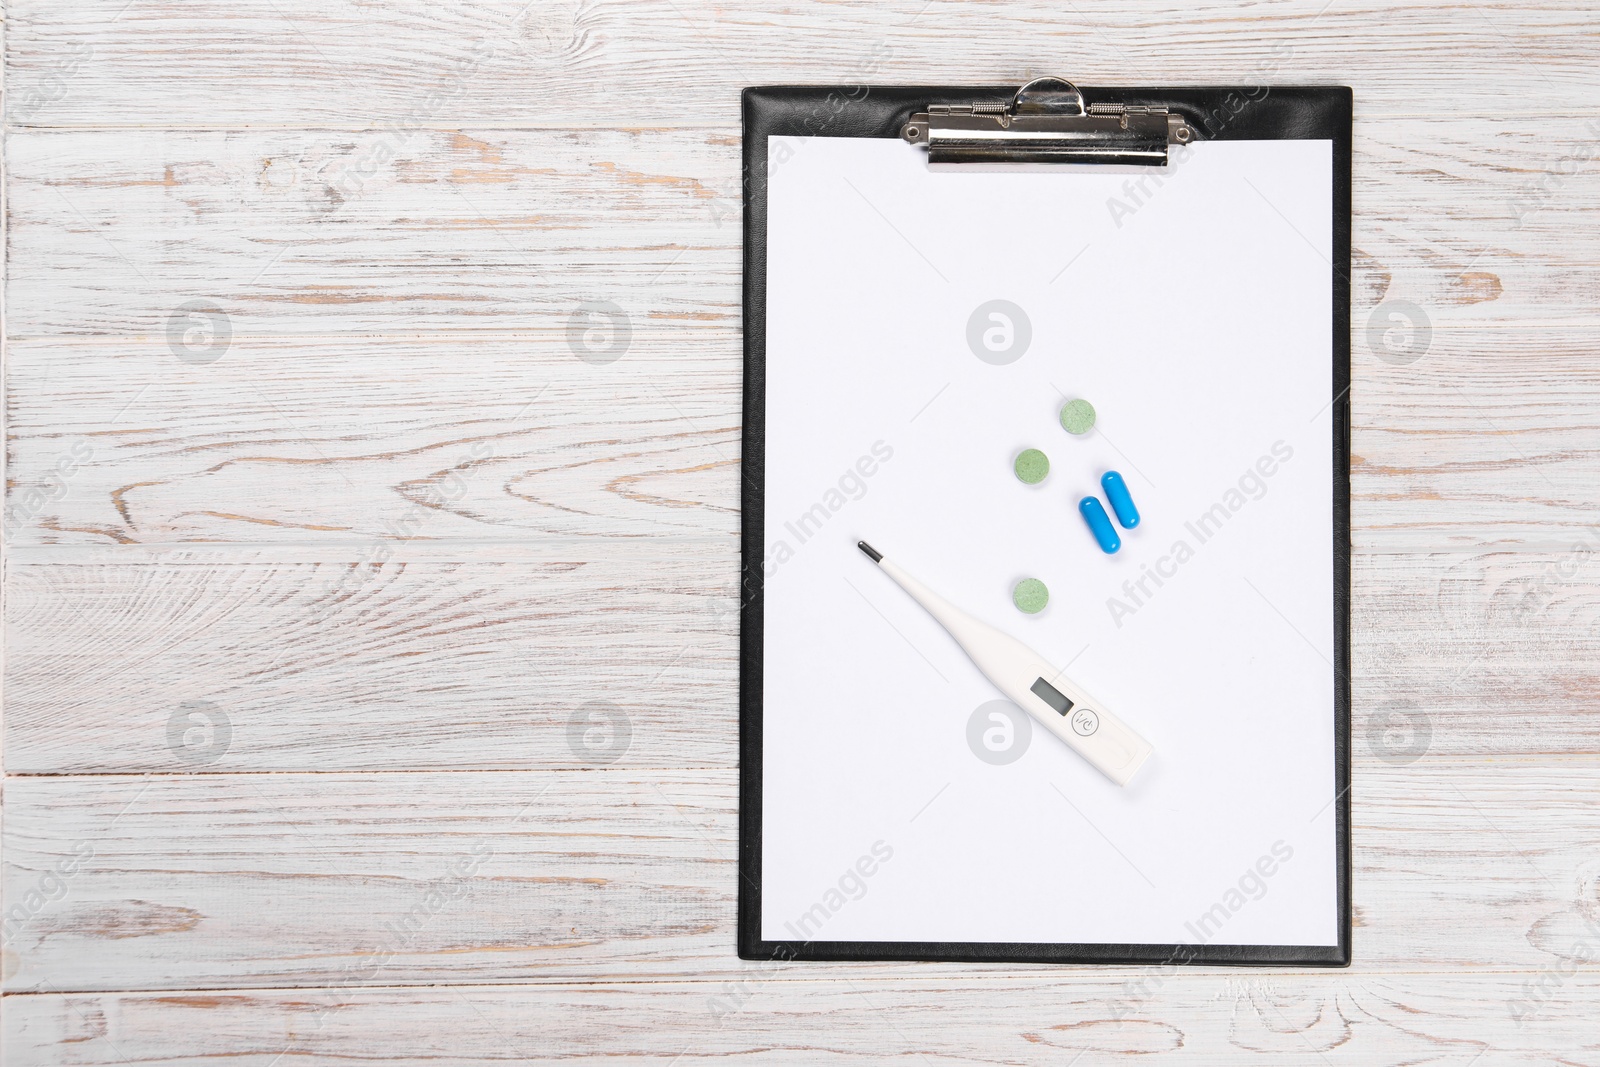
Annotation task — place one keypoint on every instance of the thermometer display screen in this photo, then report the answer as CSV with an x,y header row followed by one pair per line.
x,y
1052,696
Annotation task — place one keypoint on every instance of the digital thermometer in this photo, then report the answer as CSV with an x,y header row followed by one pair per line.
x,y
1032,684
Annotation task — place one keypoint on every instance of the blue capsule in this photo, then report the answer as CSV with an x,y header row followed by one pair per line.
x,y
1099,524
1121,500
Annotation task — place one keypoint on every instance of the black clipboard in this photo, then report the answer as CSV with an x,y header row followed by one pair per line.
x,y
1095,125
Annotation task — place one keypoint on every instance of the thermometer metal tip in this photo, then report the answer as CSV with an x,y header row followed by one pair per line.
x,y
1031,683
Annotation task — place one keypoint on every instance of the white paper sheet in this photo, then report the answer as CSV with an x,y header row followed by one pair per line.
x,y
1192,308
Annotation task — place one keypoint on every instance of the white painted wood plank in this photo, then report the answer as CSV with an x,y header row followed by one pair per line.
x,y
317,232
654,62
357,441
1045,1016
344,443
453,658
330,232
1491,655
1488,437
462,656
220,881
199,665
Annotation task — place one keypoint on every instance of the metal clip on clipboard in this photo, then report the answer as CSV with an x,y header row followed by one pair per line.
x,y
1047,122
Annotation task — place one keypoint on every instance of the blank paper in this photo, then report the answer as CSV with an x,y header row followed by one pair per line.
x,y
1191,305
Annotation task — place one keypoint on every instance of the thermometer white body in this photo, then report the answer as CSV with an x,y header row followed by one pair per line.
x,y
1029,681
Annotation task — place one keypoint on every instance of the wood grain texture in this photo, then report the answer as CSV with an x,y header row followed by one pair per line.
x,y
322,232
347,880
1043,1018
671,62
291,560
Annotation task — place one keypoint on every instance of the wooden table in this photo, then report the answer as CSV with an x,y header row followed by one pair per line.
x,y
370,656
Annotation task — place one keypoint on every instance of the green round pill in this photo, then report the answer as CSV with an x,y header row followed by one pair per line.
x,y
1030,596
1031,466
1077,416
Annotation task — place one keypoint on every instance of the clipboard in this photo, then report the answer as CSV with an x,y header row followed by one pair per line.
x,y
865,904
